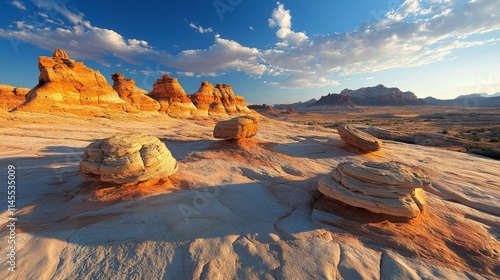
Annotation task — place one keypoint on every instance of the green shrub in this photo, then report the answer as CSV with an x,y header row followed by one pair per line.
x,y
495,140
445,131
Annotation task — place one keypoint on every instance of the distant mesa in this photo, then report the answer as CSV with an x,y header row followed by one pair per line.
x,y
11,97
334,102
359,139
172,98
67,86
389,188
261,108
237,128
137,97
123,159
381,96
219,100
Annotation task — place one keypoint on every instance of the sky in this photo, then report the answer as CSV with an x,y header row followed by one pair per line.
x,y
270,52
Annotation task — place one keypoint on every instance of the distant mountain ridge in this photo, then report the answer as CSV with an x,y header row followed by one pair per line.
x,y
382,96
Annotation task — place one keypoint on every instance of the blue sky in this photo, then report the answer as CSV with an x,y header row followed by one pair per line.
x,y
270,52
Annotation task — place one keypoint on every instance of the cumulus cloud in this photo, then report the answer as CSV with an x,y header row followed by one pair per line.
x,y
414,33
201,29
282,19
19,5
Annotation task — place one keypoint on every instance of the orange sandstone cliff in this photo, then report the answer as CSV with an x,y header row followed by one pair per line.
x,y
137,97
219,100
11,97
172,98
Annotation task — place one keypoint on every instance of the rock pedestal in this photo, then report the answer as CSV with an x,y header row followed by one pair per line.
x,y
359,139
137,97
125,159
389,188
237,128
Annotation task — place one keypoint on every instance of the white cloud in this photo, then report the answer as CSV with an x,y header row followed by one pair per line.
x,y
282,19
414,34
201,29
250,27
19,5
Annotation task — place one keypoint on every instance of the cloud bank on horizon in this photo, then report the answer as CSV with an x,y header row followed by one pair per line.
x,y
415,33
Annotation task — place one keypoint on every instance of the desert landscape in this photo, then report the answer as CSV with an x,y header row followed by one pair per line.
x,y
119,182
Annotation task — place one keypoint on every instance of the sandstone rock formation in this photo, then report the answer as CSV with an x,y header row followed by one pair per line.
x,y
127,159
237,128
217,100
333,102
11,97
388,188
359,139
172,97
65,85
382,96
137,97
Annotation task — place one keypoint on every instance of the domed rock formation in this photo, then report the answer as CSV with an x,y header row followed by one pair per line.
x,y
65,85
137,97
389,188
237,128
127,159
172,97
359,139
220,99
11,97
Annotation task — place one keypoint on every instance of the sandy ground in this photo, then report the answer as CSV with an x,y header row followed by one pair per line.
x,y
236,210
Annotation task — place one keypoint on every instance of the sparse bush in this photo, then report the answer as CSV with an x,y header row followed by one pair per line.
x,y
445,131
476,138
481,130
495,139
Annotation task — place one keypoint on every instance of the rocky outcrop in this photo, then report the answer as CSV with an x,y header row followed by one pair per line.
x,y
218,100
237,128
359,139
11,97
172,98
381,96
65,85
125,159
333,102
137,97
389,188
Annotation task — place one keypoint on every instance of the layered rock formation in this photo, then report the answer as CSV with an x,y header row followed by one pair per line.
x,y
389,188
172,98
137,97
333,102
237,128
11,97
65,85
218,100
381,96
359,139
125,159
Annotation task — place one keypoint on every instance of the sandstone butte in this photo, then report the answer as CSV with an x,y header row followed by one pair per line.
x,y
68,86
388,188
137,97
219,100
172,98
131,158
359,139
237,128
11,97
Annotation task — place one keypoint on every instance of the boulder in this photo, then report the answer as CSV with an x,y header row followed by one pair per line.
x,y
125,159
359,139
172,98
389,188
237,128
11,97
65,85
137,97
219,100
